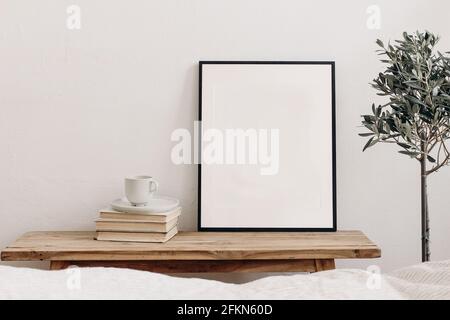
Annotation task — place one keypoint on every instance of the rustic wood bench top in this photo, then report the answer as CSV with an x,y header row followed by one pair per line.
x,y
197,251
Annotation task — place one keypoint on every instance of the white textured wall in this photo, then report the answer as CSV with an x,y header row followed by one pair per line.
x,y
81,109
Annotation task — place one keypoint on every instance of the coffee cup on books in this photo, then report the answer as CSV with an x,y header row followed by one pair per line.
x,y
140,189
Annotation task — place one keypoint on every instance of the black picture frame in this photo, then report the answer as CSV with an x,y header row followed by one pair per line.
x,y
333,140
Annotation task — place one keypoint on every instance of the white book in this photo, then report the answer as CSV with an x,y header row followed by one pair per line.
x,y
136,236
109,213
126,225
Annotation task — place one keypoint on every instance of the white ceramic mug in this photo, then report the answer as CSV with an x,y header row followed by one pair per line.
x,y
140,189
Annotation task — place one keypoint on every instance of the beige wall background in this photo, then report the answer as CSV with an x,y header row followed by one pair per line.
x,y
81,109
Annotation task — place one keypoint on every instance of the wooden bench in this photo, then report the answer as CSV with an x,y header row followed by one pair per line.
x,y
197,251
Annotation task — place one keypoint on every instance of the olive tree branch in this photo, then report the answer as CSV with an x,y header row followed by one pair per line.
x,y
446,153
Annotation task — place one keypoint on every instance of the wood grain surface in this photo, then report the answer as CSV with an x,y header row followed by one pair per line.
x,y
81,246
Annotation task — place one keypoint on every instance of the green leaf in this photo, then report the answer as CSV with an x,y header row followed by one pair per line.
x,y
369,118
378,113
368,134
415,100
381,129
406,36
431,159
370,143
409,153
414,86
380,43
404,145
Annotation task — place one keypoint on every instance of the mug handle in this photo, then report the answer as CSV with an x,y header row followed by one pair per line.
x,y
153,186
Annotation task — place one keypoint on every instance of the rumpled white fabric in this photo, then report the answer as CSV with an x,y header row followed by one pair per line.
x,y
424,281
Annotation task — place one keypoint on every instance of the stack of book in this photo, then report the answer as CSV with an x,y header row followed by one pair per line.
x,y
137,227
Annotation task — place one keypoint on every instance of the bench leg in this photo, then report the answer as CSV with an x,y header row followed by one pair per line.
x,y
324,264
59,265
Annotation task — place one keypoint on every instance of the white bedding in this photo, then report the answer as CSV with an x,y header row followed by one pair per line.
x,y
424,281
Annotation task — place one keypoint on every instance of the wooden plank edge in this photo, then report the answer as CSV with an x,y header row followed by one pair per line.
x,y
20,255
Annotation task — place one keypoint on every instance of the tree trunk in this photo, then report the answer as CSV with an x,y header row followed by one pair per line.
x,y
424,207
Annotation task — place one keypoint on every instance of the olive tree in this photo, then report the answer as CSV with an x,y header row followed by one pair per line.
x,y
416,115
